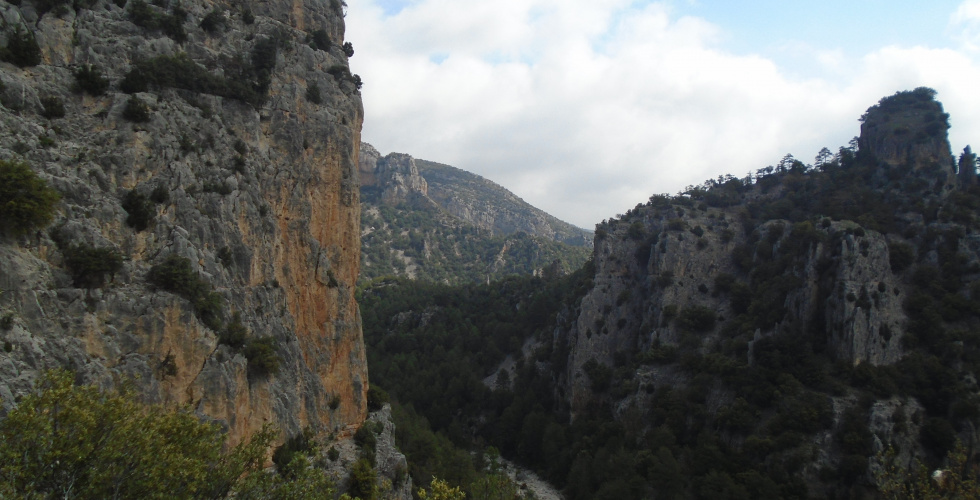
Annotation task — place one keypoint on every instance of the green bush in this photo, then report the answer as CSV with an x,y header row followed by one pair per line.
x,y
22,49
142,15
376,398
366,439
234,333
302,443
214,22
26,201
261,355
179,71
140,210
160,194
313,93
136,110
175,275
363,481
67,438
89,78
348,49
696,319
89,266
7,322
320,40
900,255
52,107
60,7
599,374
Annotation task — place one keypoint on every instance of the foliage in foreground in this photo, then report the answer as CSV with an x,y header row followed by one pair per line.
x,y
77,442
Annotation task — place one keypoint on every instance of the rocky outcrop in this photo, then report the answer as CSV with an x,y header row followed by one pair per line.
x,y
909,129
399,179
864,315
262,198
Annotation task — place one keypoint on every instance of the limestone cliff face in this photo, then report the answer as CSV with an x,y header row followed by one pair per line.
x,y
666,261
262,199
400,179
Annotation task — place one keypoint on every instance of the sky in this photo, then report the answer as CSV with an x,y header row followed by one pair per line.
x,y
585,108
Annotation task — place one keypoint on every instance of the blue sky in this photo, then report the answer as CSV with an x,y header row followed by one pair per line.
x,y
586,108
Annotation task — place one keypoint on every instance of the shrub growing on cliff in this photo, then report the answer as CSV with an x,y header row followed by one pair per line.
x,y
89,78
136,110
376,398
175,275
320,40
172,24
140,210
89,266
313,93
261,355
214,22
179,71
22,49
26,201
696,319
52,107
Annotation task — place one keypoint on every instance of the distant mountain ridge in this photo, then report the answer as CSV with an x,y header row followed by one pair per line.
x,y
426,220
488,205
470,197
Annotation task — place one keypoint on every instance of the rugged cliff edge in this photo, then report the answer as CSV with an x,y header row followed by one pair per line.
x,y
242,125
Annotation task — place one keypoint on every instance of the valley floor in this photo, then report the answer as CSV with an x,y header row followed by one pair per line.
x,y
527,480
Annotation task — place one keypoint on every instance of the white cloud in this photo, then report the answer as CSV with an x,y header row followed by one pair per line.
x,y
965,22
586,108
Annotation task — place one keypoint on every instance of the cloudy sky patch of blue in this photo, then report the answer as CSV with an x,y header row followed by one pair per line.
x,y
586,108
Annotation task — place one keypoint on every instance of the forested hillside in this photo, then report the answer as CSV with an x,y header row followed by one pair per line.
x,y
807,331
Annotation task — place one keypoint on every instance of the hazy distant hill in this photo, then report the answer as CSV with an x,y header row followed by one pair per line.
x,y
488,205
430,221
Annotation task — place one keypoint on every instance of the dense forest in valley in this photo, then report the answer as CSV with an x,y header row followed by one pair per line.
x,y
807,331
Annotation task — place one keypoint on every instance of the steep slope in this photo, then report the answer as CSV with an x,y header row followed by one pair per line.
x,y
766,337
226,135
489,206
457,228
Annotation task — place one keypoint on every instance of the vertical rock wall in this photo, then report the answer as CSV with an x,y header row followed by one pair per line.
x,y
263,200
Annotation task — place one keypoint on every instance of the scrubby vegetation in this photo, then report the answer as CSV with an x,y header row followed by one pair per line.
x,y
90,266
245,81
26,201
175,275
68,441
170,23
21,49
89,79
